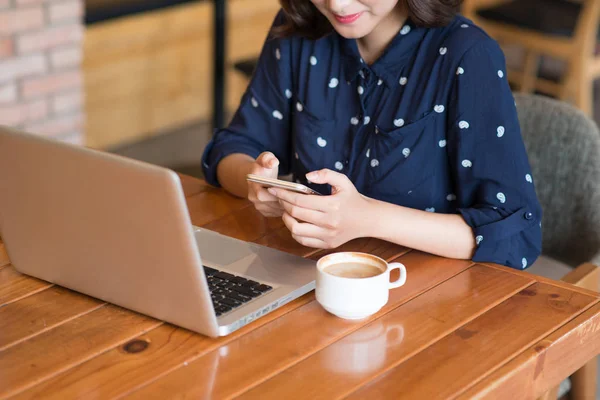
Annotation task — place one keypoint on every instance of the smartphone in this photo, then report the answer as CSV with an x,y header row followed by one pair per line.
x,y
277,183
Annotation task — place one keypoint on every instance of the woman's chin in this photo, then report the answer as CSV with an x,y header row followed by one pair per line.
x,y
350,32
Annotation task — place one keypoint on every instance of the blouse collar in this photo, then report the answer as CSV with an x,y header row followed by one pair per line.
x,y
388,66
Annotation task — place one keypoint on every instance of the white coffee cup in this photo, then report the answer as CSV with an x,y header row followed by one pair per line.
x,y
355,297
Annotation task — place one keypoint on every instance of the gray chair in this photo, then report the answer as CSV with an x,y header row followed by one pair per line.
x,y
563,145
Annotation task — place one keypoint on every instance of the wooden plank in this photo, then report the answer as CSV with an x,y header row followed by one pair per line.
x,y
386,250
151,72
245,224
192,186
209,206
281,239
461,359
131,95
544,364
586,276
547,281
97,376
40,312
356,359
40,309
4,261
54,351
118,371
15,285
270,349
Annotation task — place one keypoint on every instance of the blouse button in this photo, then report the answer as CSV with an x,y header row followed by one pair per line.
x,y
528,216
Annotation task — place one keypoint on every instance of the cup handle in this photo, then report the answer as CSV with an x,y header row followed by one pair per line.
x,y
399,330
400,281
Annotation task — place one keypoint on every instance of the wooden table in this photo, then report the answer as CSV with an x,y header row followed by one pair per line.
x,y
455,330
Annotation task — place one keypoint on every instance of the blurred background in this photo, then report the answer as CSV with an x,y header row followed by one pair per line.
x,y
151,79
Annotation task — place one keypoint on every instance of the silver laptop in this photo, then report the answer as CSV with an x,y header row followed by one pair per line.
x,y
119,230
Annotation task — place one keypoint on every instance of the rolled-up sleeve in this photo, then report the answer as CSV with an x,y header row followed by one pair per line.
x,y
262,121
494,185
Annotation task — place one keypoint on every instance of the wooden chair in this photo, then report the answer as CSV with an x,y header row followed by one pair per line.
x,y
564,152
562,29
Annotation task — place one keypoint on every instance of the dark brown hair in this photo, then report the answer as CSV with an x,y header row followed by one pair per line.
x,y
303,19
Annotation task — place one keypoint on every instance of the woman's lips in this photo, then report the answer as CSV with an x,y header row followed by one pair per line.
x,y
347,19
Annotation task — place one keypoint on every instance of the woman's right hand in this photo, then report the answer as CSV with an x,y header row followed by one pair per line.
x,y
266,165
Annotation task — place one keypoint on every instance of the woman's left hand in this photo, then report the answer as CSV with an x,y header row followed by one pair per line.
x,y
325,222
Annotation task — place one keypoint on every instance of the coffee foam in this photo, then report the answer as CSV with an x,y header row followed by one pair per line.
x,y
351,257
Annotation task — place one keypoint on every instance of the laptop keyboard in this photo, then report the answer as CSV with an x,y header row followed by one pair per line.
x,y
228,291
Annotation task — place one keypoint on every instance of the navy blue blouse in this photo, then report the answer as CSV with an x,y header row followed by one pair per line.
x,y
431,125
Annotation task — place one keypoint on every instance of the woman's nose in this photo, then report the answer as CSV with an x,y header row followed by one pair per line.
x,y
337,6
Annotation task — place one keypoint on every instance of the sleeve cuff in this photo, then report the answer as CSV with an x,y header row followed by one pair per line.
x,y
214,154
513,240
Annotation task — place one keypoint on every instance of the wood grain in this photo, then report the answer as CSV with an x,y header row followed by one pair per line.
x,y
561,284
118,372
14,285
443,320
432,374
152,72
54,351
281,239
21,320
266,351
386,250
585,276
192,186
245,224
209,206
546,363
140,76
4,261
359,357
584,381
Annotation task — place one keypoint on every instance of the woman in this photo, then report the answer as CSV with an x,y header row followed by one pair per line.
x,y
400,111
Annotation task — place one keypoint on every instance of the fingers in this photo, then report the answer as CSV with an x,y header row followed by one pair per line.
x,y
265,202
267,160
270,209
268,205
312,202
327,176
311,242
304,214
260,194
271,214
303,229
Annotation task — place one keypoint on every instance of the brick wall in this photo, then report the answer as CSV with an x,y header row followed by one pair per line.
x,y
40,67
